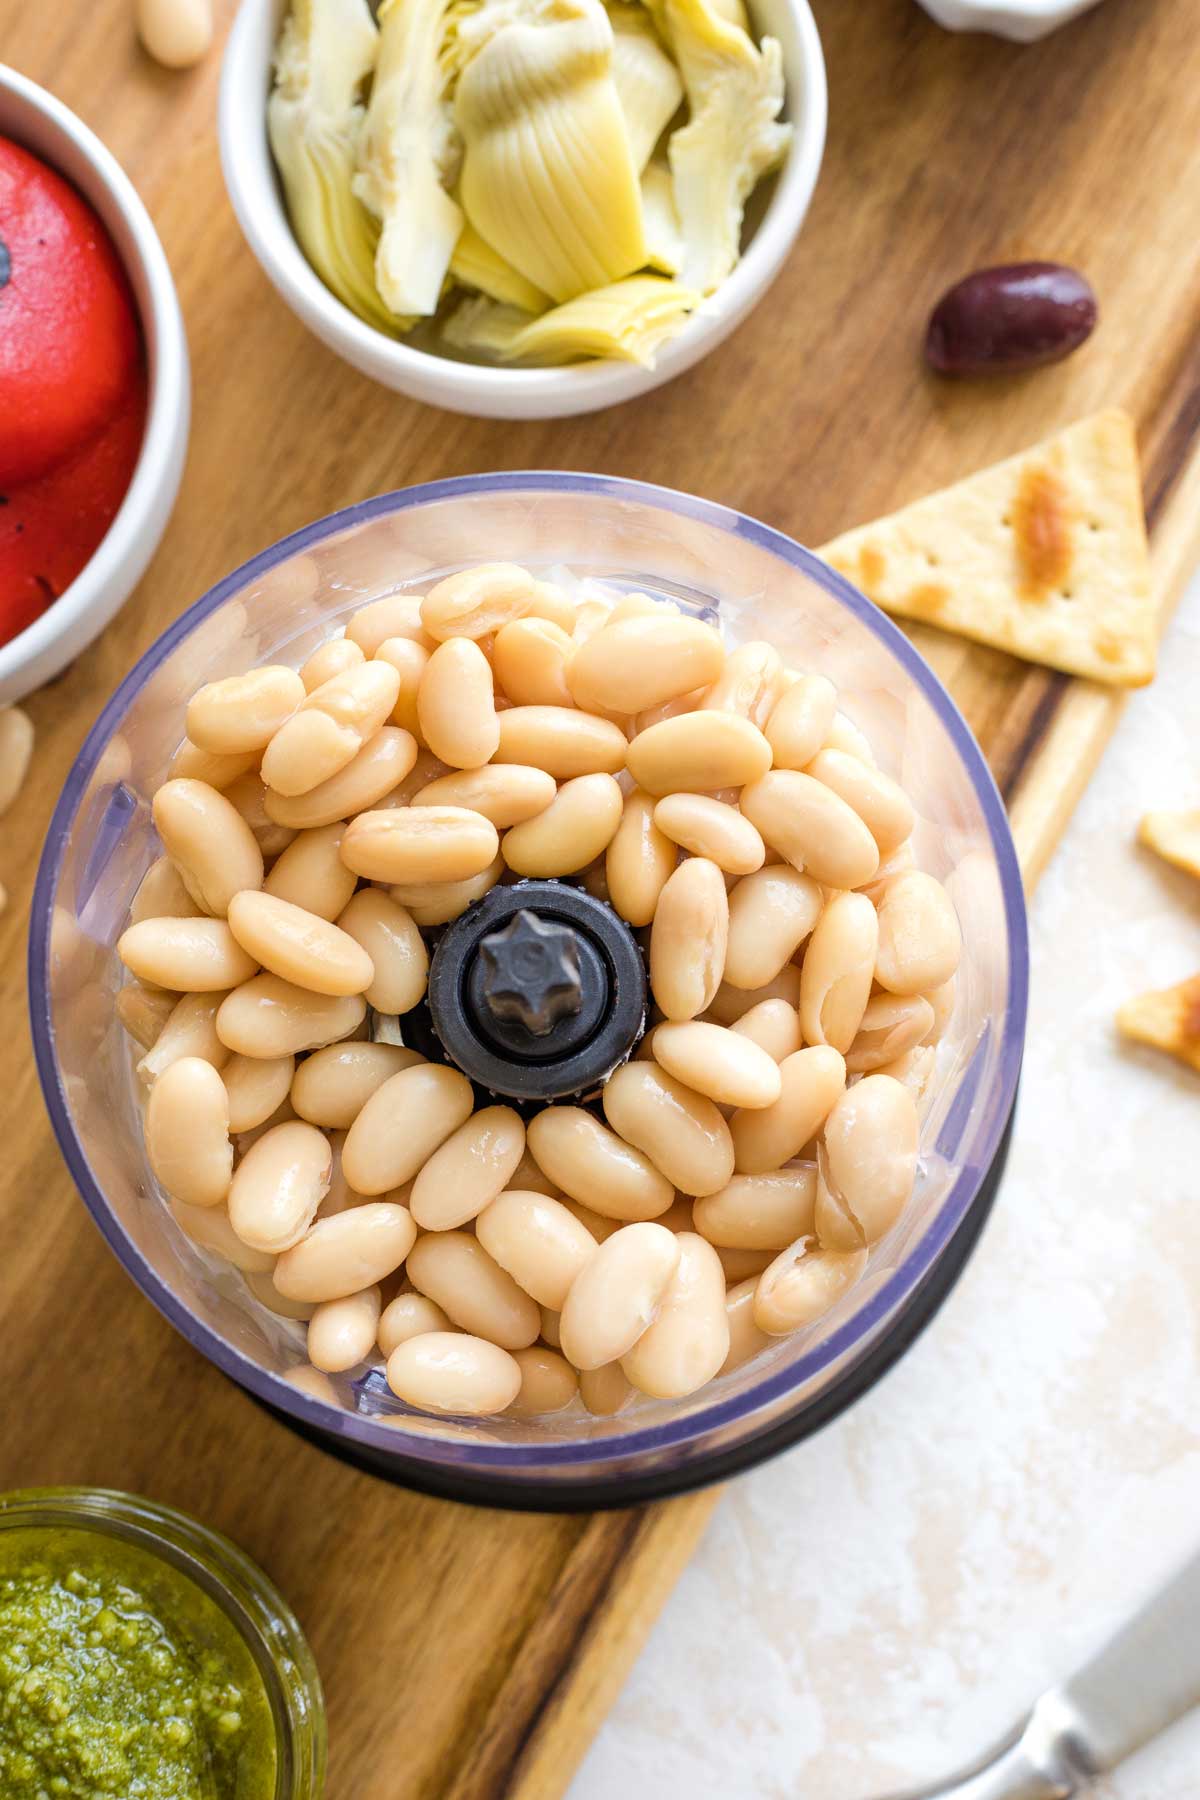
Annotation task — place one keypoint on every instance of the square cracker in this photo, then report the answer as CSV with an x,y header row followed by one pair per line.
x,y
1043,555
1168,1019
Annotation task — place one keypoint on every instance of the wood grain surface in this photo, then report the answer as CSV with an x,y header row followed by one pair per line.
x,y
469,1653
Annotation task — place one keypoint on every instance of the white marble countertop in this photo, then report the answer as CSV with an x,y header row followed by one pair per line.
x,y
881,1603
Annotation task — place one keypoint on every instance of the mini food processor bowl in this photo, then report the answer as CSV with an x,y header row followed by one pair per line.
x,y
43,125
249,1600
277,608
474,387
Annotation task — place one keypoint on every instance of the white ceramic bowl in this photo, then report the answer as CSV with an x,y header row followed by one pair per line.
x,y
42,124
1022,20
473,387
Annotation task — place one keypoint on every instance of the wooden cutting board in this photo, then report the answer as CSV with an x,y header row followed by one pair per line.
x,y
468,1653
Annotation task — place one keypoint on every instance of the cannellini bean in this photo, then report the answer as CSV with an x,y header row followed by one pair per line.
x,y
349,1252
550,602
767,1137
529,658
197,956
417,844
688,939
176,33
760,1212
341,1333
16,751
549,1327
396,949
278,1186
331,658
845,735
191,1030
298,946
187,1133
713,1060
262,1286
340,1195
689,1339
640,606
409,659
771,913
332,1086
562,740
710,828
697,752
638,861
256,1087
739,1265
812,828
604,1391
749,685
209,1227
437,902
641,661
802,1285
505,793
914,1070
307,1380
243,712
539,1241
453,1269
670,709
745,1338
577,826
268,1016
593,1166
590,616
281,1116
310,873
881,803
800,721
477,601
449,1372
407,1316
773,1025
214,768
548,1383
401,1125
162,895
144,1011
396,615
209,843
598,1224
902,858
426,769
330,728
941,1003
530,1179
617,1294
456,705
838,968
868,1163
919,938
466,1173
383,761
732,1003
890,1025
681,1132
248,797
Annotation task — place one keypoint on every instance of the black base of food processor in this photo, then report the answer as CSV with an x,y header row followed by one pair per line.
x,y
661,1484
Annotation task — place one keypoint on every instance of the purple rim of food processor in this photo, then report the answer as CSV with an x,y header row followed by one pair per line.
x,y
676,1441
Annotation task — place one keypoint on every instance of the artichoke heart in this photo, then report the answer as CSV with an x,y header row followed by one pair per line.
x,y
407,149
732,138
476,265
314,118
664,239
648,84
629,320
548,176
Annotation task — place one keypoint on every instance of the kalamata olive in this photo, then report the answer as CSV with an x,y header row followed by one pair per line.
x,y
1015,316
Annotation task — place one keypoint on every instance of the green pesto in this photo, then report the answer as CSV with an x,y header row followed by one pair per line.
x,y
120,1677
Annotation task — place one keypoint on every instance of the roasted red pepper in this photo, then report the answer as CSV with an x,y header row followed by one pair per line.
x,y
72,385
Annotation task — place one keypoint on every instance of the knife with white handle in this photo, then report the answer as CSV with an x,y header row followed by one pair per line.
x,y
1144,1679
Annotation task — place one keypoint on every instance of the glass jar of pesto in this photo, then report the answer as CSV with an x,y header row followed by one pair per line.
x,y
145,1657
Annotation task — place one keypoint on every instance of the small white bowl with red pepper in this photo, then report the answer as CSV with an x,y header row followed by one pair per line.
x,y
92,459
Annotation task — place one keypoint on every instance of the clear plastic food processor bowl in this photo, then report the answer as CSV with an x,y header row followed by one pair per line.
x,y
278,607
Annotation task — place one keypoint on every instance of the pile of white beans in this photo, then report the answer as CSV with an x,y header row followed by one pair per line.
x,y
726,1185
